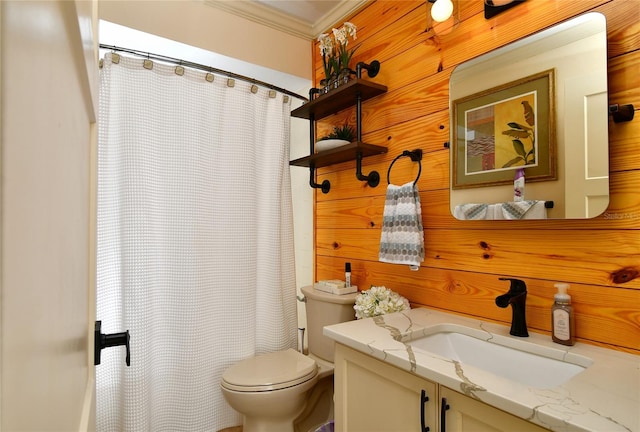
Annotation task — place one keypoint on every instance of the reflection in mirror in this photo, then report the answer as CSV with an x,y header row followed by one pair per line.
x,y
539,107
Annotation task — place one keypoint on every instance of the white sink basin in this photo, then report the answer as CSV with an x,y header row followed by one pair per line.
x,y
526,363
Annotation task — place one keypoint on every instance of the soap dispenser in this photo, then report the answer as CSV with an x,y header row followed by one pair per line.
x,y
562,322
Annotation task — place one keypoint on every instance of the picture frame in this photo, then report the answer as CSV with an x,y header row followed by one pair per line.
x,y
504,128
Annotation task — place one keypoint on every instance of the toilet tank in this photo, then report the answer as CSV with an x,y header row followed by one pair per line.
x,y
324,309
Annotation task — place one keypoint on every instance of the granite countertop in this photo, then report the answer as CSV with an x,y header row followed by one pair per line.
x,y
605,397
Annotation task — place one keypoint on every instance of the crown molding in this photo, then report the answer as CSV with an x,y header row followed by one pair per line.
x,y
337,14
273,18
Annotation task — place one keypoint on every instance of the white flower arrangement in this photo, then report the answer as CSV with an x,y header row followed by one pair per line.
x,y
334,52
379,300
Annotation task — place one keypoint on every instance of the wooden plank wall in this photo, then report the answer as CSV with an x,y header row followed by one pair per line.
x,y
600,257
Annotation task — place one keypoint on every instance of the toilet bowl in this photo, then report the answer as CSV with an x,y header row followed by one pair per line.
x,y
285,379
286,391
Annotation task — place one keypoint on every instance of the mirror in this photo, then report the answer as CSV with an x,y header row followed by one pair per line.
x,y
537,106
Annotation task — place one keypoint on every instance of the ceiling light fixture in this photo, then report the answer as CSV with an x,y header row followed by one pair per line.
x,y
442,16
441,10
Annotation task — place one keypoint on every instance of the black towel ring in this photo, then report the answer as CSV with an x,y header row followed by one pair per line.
x,y
415,155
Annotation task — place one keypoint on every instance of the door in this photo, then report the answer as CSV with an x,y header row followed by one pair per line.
x,y
587,177
462,413
371,395
48,76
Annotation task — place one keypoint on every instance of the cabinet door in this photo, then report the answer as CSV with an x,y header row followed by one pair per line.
x,y
372,396
470,415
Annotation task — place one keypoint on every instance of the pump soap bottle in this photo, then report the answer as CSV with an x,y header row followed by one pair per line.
x,y
562,322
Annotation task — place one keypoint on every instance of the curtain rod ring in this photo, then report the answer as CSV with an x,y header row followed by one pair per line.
x,y
415,155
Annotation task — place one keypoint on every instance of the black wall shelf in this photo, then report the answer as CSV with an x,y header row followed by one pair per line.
x,y
347,152
344,96
338,99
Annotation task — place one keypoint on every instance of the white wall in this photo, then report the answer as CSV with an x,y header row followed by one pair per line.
x,y
196,24
302,195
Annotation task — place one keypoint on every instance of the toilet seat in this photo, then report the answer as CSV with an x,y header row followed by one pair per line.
x,y
269,372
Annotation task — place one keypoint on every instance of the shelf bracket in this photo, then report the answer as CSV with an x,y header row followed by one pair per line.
x,y
373,179
372,68
325,186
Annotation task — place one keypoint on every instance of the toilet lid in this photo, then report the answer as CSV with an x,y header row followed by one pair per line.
x,y
272,371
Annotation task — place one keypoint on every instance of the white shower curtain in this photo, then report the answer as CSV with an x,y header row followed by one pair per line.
x,y
195,241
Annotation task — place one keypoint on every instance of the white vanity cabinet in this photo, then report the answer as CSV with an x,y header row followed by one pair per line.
x,y
373,396
462,413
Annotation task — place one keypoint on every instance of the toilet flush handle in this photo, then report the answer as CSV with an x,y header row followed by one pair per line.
x,y
102,341
301,339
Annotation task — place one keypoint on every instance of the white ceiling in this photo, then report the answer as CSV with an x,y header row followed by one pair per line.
x,y
309,11
303,18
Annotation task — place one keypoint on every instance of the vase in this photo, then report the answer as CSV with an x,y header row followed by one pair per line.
x,y
325,86
344,76
335,81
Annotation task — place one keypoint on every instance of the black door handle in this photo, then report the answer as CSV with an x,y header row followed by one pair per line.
x,y
109,340
444,406
423,417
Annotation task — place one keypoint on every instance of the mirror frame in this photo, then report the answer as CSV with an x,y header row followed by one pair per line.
x,y
577,52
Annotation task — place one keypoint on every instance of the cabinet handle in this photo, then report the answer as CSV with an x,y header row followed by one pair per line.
x,y
443,415
423,400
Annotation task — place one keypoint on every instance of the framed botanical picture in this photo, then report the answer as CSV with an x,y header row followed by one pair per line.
x,y
505,128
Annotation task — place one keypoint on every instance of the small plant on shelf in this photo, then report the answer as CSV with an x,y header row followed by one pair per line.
x,y
344,132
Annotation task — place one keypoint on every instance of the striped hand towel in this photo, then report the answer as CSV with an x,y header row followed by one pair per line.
x,y
402,238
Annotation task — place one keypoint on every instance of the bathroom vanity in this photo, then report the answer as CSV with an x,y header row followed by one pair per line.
x,y
408,402
425,370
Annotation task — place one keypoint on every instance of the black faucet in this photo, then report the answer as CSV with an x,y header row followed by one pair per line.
x,y
516,297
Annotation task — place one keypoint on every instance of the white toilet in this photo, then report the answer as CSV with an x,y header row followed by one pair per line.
x,y
287,391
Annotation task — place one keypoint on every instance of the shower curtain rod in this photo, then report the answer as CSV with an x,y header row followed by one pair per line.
x,y
193,65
